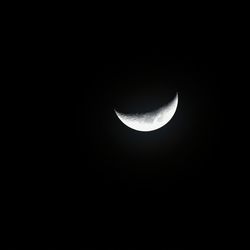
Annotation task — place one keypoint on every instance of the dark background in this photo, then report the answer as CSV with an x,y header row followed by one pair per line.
x,y
171,178
118,178
136,76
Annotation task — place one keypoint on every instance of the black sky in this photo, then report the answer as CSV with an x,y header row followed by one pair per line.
x,y
118,178
137,76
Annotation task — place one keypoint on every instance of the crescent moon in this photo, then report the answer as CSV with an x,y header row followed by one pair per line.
x,y
151,120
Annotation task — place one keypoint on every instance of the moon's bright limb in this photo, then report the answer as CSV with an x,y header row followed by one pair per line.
x,y
152,120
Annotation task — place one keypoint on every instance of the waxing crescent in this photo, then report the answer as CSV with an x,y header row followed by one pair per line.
x,y
150,121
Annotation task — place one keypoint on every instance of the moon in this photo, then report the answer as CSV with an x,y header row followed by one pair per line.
x,y
150,121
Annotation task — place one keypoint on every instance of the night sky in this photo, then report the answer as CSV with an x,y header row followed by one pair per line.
x,y
172,177
179,159
118,178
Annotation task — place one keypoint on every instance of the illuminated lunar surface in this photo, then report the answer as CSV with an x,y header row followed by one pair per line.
x,y
151,120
